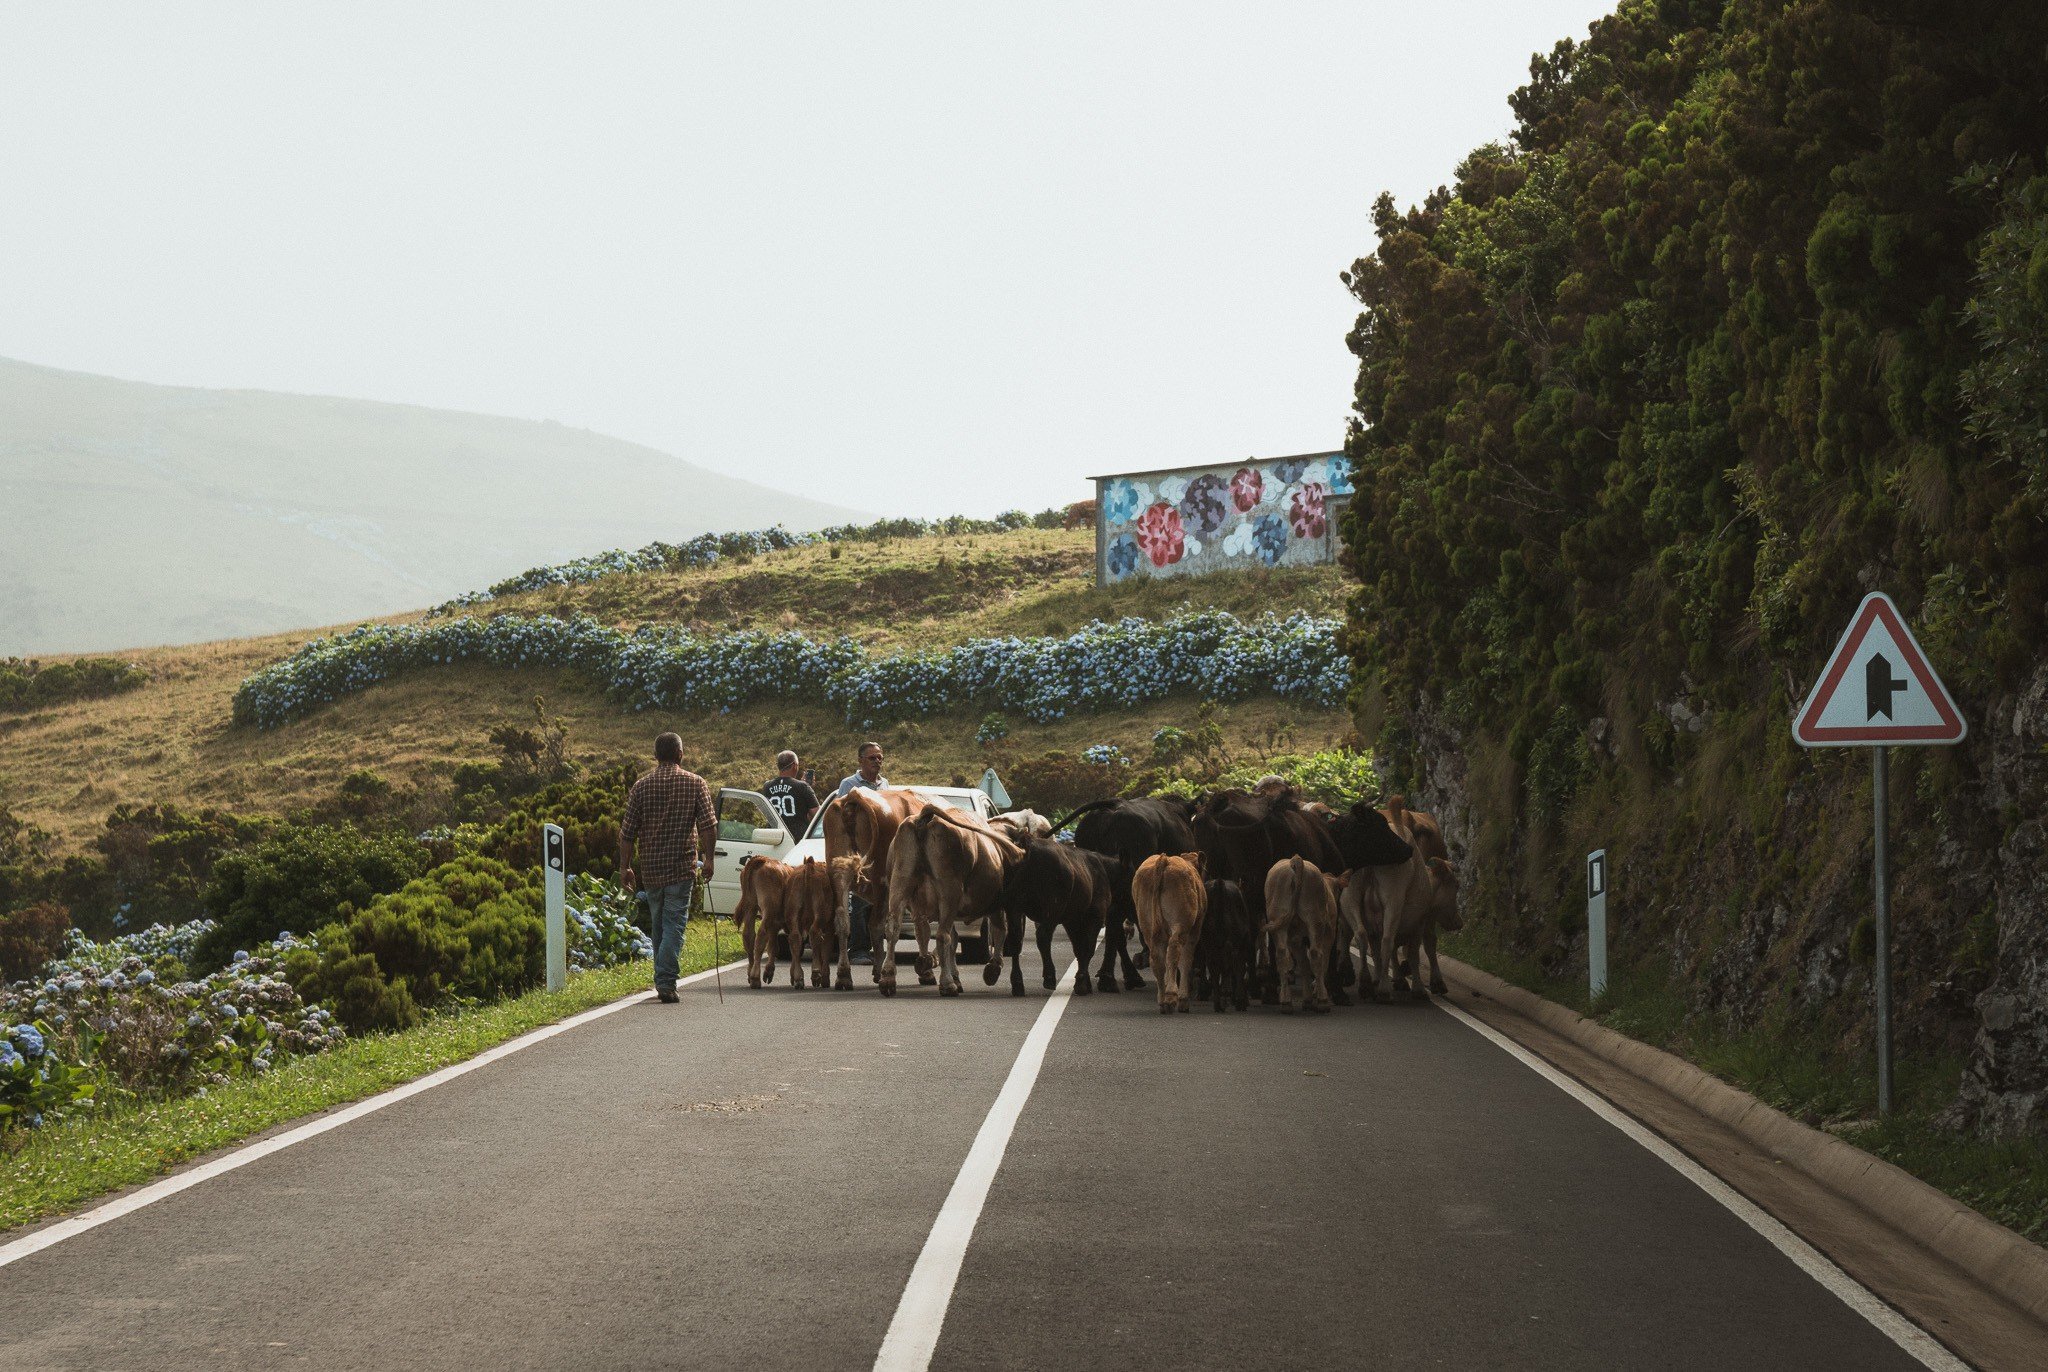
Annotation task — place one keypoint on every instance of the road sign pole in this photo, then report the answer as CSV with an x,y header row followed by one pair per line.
x,y
1884,935
1596,923
554,878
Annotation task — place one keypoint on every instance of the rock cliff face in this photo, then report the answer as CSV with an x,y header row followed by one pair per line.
x,y
2005,1089
1744,873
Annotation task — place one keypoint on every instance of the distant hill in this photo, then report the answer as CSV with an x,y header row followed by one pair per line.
x,y
137,514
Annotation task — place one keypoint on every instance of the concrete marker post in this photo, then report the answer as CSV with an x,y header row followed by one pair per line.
x,y
1596,922
554,857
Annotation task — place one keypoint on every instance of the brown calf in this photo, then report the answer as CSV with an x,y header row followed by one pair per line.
x,y
863,823
779,898
1171,900
945,867
1301,915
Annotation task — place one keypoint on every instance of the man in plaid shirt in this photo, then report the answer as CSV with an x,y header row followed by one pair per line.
x,y
670,818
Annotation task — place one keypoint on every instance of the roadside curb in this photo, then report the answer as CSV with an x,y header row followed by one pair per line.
x,y
1996,1256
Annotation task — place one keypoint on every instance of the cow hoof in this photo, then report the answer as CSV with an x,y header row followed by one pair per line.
x,y
1106,982
1437,987
1016,988
991,973
1184,1006
754,983
1339,998
1134,983
1322,1009
1165,1007
1082,986
843,984
949,989
1049,981
888,988
1287,1007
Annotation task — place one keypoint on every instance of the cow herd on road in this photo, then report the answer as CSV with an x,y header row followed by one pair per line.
x,y
1233,894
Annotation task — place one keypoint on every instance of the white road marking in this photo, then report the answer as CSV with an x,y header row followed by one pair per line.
x,y
914,1332
170,1186
1917,1342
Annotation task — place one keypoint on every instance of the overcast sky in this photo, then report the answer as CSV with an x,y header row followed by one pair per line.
x,y
911,258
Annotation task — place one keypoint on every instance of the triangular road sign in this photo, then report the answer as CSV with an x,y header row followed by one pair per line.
x,y
1878,688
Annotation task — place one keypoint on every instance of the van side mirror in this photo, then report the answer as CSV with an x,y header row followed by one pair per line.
x,y
771,838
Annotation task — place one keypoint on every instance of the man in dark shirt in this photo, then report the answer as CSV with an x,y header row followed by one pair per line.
x,y
790,796
671,821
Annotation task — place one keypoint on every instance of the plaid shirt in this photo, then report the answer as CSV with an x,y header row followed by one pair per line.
x,y
669,813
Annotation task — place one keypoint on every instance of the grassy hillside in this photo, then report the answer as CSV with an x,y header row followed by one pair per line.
x,y
254,512
63,768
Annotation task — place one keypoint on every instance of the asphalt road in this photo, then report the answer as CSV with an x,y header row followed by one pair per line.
x,y
751,1185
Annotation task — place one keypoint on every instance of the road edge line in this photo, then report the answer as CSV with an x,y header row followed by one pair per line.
x,y
913,1334
1916,1342
53,1234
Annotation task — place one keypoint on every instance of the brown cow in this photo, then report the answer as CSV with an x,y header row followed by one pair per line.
x,y
945,867
829,926
1301,915
864,823
779,898
1407,904
1171,900
1428,838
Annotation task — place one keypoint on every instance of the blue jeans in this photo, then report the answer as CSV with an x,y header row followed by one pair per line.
x,y
668,910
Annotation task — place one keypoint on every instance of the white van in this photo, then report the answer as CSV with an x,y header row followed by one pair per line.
x,y
747,826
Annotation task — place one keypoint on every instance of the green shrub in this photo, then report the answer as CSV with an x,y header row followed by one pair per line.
x,y
471,928
28,684
297,880
159,859
30,937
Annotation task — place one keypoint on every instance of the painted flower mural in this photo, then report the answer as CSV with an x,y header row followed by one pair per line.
x,y
1122,557
1120,502
1269,537
1305,510
1238,544
1289,472
1203,508
1160,534
1245,489
1340,476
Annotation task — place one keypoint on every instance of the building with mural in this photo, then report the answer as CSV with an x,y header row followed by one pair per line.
x,y
1183,521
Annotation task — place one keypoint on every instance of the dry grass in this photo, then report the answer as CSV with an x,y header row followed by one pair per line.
x,y
172,739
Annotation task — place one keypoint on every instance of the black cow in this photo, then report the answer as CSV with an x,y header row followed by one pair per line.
x,y
1060,884
1365,839
1228,957
1130,831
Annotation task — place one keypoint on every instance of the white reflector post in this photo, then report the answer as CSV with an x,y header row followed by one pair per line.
x,y
1596,922
554,856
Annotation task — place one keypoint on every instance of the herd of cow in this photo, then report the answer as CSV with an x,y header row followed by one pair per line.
x,y
1235,893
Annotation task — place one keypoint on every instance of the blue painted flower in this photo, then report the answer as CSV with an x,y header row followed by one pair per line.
x,y
1340,476
1205,504
1122,557
1269,538
1289,472
1120,502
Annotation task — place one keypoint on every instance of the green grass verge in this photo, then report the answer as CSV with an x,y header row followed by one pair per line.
x,y
1804,1070
60,1167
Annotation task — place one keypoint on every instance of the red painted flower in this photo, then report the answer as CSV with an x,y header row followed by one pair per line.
x,y
1305,510
1160,535
1246,488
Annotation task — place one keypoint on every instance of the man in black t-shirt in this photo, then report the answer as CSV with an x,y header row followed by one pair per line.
x,y
791,797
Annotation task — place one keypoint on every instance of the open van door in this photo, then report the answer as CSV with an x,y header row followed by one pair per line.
x,y
746,826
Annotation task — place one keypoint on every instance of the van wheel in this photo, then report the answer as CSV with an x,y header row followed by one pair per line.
x,y
974,948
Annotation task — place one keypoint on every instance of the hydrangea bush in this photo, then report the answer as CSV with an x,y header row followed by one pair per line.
x,y
601,929
105,1018
1104,665
706,549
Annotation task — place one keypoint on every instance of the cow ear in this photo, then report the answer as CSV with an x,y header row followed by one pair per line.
x,y
1196,858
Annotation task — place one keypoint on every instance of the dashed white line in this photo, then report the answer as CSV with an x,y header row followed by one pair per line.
x,y
170,1186
921,1313
1917,1342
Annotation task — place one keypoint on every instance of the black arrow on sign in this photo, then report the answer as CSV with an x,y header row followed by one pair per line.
x,y
1879,687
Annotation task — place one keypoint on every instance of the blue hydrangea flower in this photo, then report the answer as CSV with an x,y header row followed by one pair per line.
x,y
9,1059
27,1039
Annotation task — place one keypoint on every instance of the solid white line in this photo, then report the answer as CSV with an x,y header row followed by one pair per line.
x,y
914,1332
1810,1260
241,1157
